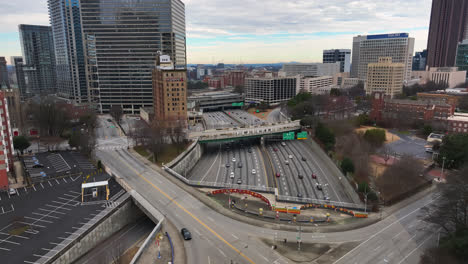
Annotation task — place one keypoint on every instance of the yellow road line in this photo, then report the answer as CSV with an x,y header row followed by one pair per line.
x,y
186,211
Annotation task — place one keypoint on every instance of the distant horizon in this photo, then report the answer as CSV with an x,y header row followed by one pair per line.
x,y
247,32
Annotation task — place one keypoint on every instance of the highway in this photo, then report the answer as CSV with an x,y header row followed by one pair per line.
x,y
399,238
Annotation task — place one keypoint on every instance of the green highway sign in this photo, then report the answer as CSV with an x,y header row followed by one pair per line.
x,y
238,104
302,135
289,136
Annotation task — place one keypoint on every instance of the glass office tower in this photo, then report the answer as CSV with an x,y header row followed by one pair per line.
x,y
121,40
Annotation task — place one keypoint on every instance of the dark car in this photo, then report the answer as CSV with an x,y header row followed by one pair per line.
x,y
239,165
319,187
37,166
300,176
278,175
109,120
275,149
228,165
186,234
239,181
249,150
314,176
299,195
304,159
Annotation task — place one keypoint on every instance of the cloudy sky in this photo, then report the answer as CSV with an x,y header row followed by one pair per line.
x,y
260,31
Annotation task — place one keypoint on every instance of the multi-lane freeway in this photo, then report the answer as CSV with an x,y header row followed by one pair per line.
x,y
399,238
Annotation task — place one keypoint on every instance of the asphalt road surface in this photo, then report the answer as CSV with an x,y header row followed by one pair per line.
x,y
245,118
108,134
288,162
216,120
229,162
399,238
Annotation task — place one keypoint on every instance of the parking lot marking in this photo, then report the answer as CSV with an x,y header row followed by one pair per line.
x,y
55,212
31,224
74,205
6,234
34,188
76,193
40,220
42,185
69,195
40,256
64,180
25,190
34,232
6,249
50,183
64,238
8,241
57,181
30,262
58,244
47,249
58,207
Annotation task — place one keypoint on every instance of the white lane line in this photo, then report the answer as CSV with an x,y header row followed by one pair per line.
x,y
382,230
415,249
222,253
263,257
57,181
30,262
234,236
377,248
211,219
196,231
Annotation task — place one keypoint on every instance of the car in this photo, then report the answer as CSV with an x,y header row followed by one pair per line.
x,y
278,175
326,198
232,175
233,159
319,187
290,156
249,150
283,144
314,176
186,234
254,171
304,159
109,120
12,191
275,149
228,165
299,195
287,162
37,166
239,181
300,176
239,164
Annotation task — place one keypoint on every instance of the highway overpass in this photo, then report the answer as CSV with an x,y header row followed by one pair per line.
x,y
248,132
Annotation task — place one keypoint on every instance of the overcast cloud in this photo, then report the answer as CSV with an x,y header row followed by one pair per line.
x,y
252,31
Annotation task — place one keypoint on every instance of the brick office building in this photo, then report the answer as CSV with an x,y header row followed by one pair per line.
x,y
6,142
386,109
458,123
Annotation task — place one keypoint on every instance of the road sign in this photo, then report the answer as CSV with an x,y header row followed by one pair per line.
x,y
238,104
288,136
302,135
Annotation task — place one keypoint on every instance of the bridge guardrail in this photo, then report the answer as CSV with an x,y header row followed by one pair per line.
x,y
352,206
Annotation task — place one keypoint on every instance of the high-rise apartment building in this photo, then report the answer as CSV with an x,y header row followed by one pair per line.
x,y
122,41
419,61
368,49
448,27
4,81
316,85
462,56
17,62
6,142
170,91
270,90
385,77
310,69
65,19
343,56
38,65
236,78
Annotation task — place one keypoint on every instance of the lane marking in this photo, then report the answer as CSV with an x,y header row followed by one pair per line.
x,y
183,209
412,251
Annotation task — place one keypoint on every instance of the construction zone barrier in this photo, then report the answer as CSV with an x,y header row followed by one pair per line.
x,y
335,208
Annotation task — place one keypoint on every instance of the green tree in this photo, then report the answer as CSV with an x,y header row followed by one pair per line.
x,y
326,136
335,92
427,129
375,136
455,150
21,143
347,166
301,97
308,121
363,120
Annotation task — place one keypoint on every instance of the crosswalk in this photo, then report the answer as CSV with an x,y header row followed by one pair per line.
x,y
111,147
59,164
82,161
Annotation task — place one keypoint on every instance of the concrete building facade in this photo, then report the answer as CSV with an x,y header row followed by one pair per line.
x,y
310,69
385,77
316,85
270,90
4,80
343,56
368,49
38,67
451,76
17,61
170,91
122,42
447,28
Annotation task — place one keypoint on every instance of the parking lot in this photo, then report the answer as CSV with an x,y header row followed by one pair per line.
x,y
245,118
297,174
217,120
50,165
409,144
49,213
237,163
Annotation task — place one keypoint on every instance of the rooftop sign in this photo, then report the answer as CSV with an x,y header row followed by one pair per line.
x,y
388,36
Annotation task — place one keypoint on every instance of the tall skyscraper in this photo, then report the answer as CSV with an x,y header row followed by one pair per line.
x,y
343,56
39,60
368,49
4,81
122,39
420,60
65,19
17,61
462,56
449,22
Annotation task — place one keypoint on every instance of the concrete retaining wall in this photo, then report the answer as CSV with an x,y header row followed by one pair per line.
x,y
187,160
125,214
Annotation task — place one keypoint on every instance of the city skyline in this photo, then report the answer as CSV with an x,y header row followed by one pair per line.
x,y
227,33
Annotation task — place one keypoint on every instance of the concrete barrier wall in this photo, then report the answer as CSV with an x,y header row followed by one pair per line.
x,y
187,160
125,214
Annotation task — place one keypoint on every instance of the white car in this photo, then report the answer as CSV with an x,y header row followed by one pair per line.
x,y
283,144
232,175
12,191
254,171
290,156
233,159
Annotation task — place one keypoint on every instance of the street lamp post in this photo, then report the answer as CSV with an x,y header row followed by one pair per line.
x,y
443,164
